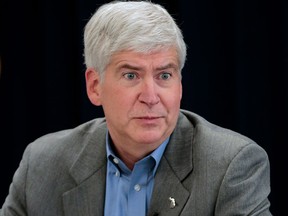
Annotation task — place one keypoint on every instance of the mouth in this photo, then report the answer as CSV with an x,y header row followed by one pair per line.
x,y
148,120
148,117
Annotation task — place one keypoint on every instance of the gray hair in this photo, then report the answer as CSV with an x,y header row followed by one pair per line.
x,y
139,26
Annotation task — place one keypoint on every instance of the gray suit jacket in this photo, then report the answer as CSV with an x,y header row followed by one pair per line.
x,y
208,170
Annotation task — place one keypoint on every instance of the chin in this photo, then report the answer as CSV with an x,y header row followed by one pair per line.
x,y
152,138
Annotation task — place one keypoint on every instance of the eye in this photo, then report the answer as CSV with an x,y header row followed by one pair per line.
x,y
165,76
130,76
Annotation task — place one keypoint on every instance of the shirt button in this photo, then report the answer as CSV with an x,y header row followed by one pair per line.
x,y
117,173
137,187
116,161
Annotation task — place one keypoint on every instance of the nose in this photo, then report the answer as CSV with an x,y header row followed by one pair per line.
x,y
149,93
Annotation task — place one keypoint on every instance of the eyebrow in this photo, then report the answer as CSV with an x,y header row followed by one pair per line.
x,y
129,66
170,65
164,67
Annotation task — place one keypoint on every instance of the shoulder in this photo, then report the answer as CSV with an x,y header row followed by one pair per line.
x,y
225,163
207,131
66,144
216,140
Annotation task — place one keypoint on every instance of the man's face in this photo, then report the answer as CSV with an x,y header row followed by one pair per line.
x,y
141,95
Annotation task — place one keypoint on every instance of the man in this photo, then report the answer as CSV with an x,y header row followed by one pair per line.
x,y
146,157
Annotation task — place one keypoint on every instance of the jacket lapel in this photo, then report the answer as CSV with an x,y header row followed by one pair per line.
x,y
174,172
89,173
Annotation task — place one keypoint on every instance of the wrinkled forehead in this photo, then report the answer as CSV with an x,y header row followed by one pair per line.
x,y
166,52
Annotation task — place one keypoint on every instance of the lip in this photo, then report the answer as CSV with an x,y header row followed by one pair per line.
x,y
148,117
148,120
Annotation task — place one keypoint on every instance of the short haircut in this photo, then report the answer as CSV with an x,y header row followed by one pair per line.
x,y
139,26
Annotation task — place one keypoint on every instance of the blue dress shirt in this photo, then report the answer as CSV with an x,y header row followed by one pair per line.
x,y
128,193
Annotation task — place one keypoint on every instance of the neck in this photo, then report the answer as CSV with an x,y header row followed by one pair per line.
x,y
132,156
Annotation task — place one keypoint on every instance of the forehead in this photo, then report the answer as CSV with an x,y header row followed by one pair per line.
x,y
160,57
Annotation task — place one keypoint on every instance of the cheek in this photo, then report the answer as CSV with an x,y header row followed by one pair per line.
x,y
115,98
175,98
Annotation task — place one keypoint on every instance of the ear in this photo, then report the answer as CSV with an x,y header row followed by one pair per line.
x,y
93,86
181,90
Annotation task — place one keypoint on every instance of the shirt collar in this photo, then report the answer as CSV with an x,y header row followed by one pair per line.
x,y
156,154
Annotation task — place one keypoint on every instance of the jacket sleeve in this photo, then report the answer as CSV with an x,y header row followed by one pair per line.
x,y
246,185
15,203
